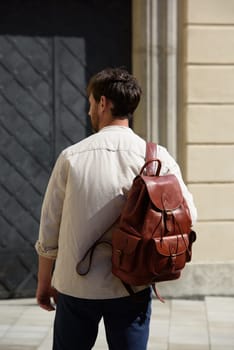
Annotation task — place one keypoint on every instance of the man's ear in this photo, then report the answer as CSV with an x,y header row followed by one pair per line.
x,y
103,103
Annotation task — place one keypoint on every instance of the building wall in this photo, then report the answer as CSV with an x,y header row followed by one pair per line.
x,y
209,114
205,126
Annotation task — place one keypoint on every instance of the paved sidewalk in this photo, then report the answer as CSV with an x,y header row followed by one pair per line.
x,y
175,325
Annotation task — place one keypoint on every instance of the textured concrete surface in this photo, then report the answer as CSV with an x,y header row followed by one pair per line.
x,y
179,324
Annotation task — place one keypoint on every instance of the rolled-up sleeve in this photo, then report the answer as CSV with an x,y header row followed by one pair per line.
x,y
51,212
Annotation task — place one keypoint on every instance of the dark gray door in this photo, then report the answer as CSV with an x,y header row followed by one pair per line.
x,y
48,51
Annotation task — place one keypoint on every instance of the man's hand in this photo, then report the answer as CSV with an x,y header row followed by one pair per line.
x,y
46,297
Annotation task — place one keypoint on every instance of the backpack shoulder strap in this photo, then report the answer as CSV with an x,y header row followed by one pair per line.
x,y
151,154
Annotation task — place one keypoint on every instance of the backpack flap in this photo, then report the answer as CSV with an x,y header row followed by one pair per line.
x,y
168,255
166,195
164,191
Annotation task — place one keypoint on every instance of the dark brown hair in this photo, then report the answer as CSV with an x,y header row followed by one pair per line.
x,y
117,85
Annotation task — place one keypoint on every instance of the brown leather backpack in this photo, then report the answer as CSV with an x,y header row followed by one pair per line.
x,y
153,240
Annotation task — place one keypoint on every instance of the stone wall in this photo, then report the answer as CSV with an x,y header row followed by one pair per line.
x,y
209,106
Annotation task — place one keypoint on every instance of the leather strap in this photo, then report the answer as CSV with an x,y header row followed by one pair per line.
x,y
132,293
151,151
157,293
83,267
151,159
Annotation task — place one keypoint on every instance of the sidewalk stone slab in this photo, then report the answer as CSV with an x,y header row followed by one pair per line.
x,y
176,325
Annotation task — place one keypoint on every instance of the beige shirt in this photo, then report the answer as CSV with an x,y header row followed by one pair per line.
x,y
84,198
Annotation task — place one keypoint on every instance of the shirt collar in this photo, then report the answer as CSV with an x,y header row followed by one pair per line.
x,y
116,128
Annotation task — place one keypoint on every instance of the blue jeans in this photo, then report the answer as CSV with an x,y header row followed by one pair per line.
x,y
126,322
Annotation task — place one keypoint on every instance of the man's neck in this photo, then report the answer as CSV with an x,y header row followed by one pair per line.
x,y
119,122
115,122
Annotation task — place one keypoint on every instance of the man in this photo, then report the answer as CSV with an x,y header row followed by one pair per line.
x,y
84,198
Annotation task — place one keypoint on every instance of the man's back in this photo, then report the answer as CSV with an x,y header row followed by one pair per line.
x,y
95,174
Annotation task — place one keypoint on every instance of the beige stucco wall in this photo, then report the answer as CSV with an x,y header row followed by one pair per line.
x,y
209,114
205,127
